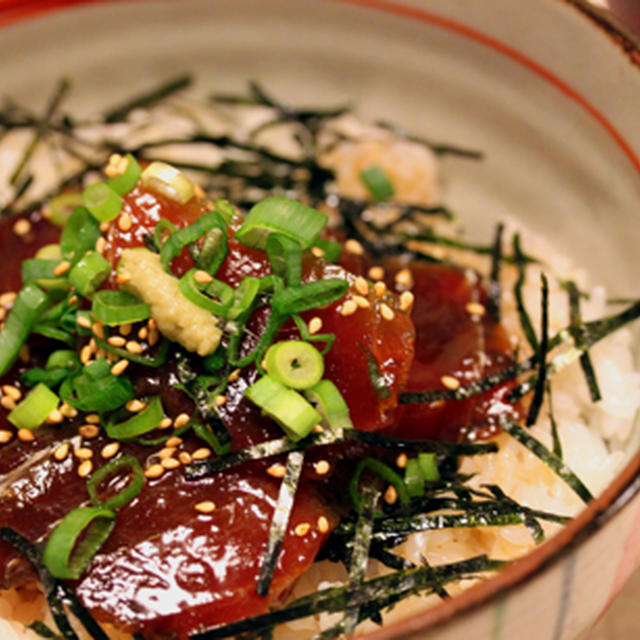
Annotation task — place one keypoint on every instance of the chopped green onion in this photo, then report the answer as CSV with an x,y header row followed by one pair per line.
x,y
89,273
244,295
164,229
193,291
126,495
214,361
329,402
118,307
27,307
287,407
168,182
97,369
383,471
413,479
60,208
102,201
49,377
428,463
377,181
213,251
50,252
79,235
278,214
103,394
285,256
34,409
42,272
294,364
69,552
308,296
123,183
156,359
147,420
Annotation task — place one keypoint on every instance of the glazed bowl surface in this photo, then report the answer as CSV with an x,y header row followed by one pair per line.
x,y
549,92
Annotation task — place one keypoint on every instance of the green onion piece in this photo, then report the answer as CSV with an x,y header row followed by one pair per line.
x,y
50,252
225,209
27,306
42,272
103,394
60,208
49,331
308,296
49,377
428,463
147,420
126,495
34,409
377,181
243,297
281,215
193,291
214,361
102,201
329,402
123,183
213,251
383,471
285,256
118,307
69,552
413,478
330,249
303,329
89,273
294,364
168,182
287,407
164,228
97,369
79,235
179,239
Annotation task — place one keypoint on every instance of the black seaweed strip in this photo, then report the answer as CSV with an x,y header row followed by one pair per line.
x,y
149,98
557,445
375,377
494,290
552,461
532,524
538,395
575,320
389,559
80,612
377,593
280,520
43,630
525,320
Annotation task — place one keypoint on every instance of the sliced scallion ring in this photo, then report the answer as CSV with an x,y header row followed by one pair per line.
x,y
79,235
103,394
31,412
307,296
89,273
147,420
118,307
65,358
102,201
329,402
243,297
123,183
428,463
68,552
413,478
113,467
50,252
168,181
60,208
377,181
295,364
41,271
197,293
385,472
285,256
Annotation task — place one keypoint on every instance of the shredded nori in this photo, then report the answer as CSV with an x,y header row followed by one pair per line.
x,y
538,395
494,290
525,321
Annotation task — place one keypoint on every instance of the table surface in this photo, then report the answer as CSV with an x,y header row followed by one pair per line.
x,y
622,621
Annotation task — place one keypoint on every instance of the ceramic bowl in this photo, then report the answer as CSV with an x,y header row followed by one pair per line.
x,y
549,88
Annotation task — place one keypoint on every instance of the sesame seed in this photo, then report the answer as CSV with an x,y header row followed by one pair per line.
x,y
83,321
110,450
404,278
135,405
134,347
101,244
25,435
113,165
13,392
55,417
167,452
124,222
361,285
201,454
315,324
318,429
302,529
117,341
184,457
323,525
376,273
387,312
152,324
143,333
85,354
25,353
92,418
234,375
165,423
154,471
68,411
450,382
62,268
202,277
85,468
104,226
317,252
348,308
8,298
174,442
98,330
475,309
390,495
401,460
220,400
83,453
353,246
88,431
123,276
406,300
61,452
362,302
277,470
119,367
8,403
22,227
170,463
125,329
5,436
380,288
205,507
154,336
322,467
181,420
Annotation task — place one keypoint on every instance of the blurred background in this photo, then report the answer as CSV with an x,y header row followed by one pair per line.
x,y
622,621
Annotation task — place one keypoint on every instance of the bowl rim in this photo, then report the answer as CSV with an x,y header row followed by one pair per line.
x,y
626,485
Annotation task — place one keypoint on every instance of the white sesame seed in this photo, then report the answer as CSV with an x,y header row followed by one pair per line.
x,y
104,226
25,435
154,336
404,278
154,471
277,470
110,450
123,276
98,330
322,467
181,420
83,453
135,405
234,375
170,463
119,367
315,324
124,222
202,277
85,468
317,252
143,333
401,460
92,418
83,321
348,308
387,312
7,298
55,417
184,457
88,431
134,347
302,529
117,341
390,495
5,436
101,244
125,329
406,300
68,411
205,507
173,442
201,454
220,400
165,423
361,301
323,525
13,392
353,246
22,227
167,452
450,382
62,268
361,285
8,403
475,309
376,273
380,288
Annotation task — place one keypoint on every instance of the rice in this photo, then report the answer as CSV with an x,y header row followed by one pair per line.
x,y
593,436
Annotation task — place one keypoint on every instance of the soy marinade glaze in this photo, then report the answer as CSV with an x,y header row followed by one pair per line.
x,y
168,569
